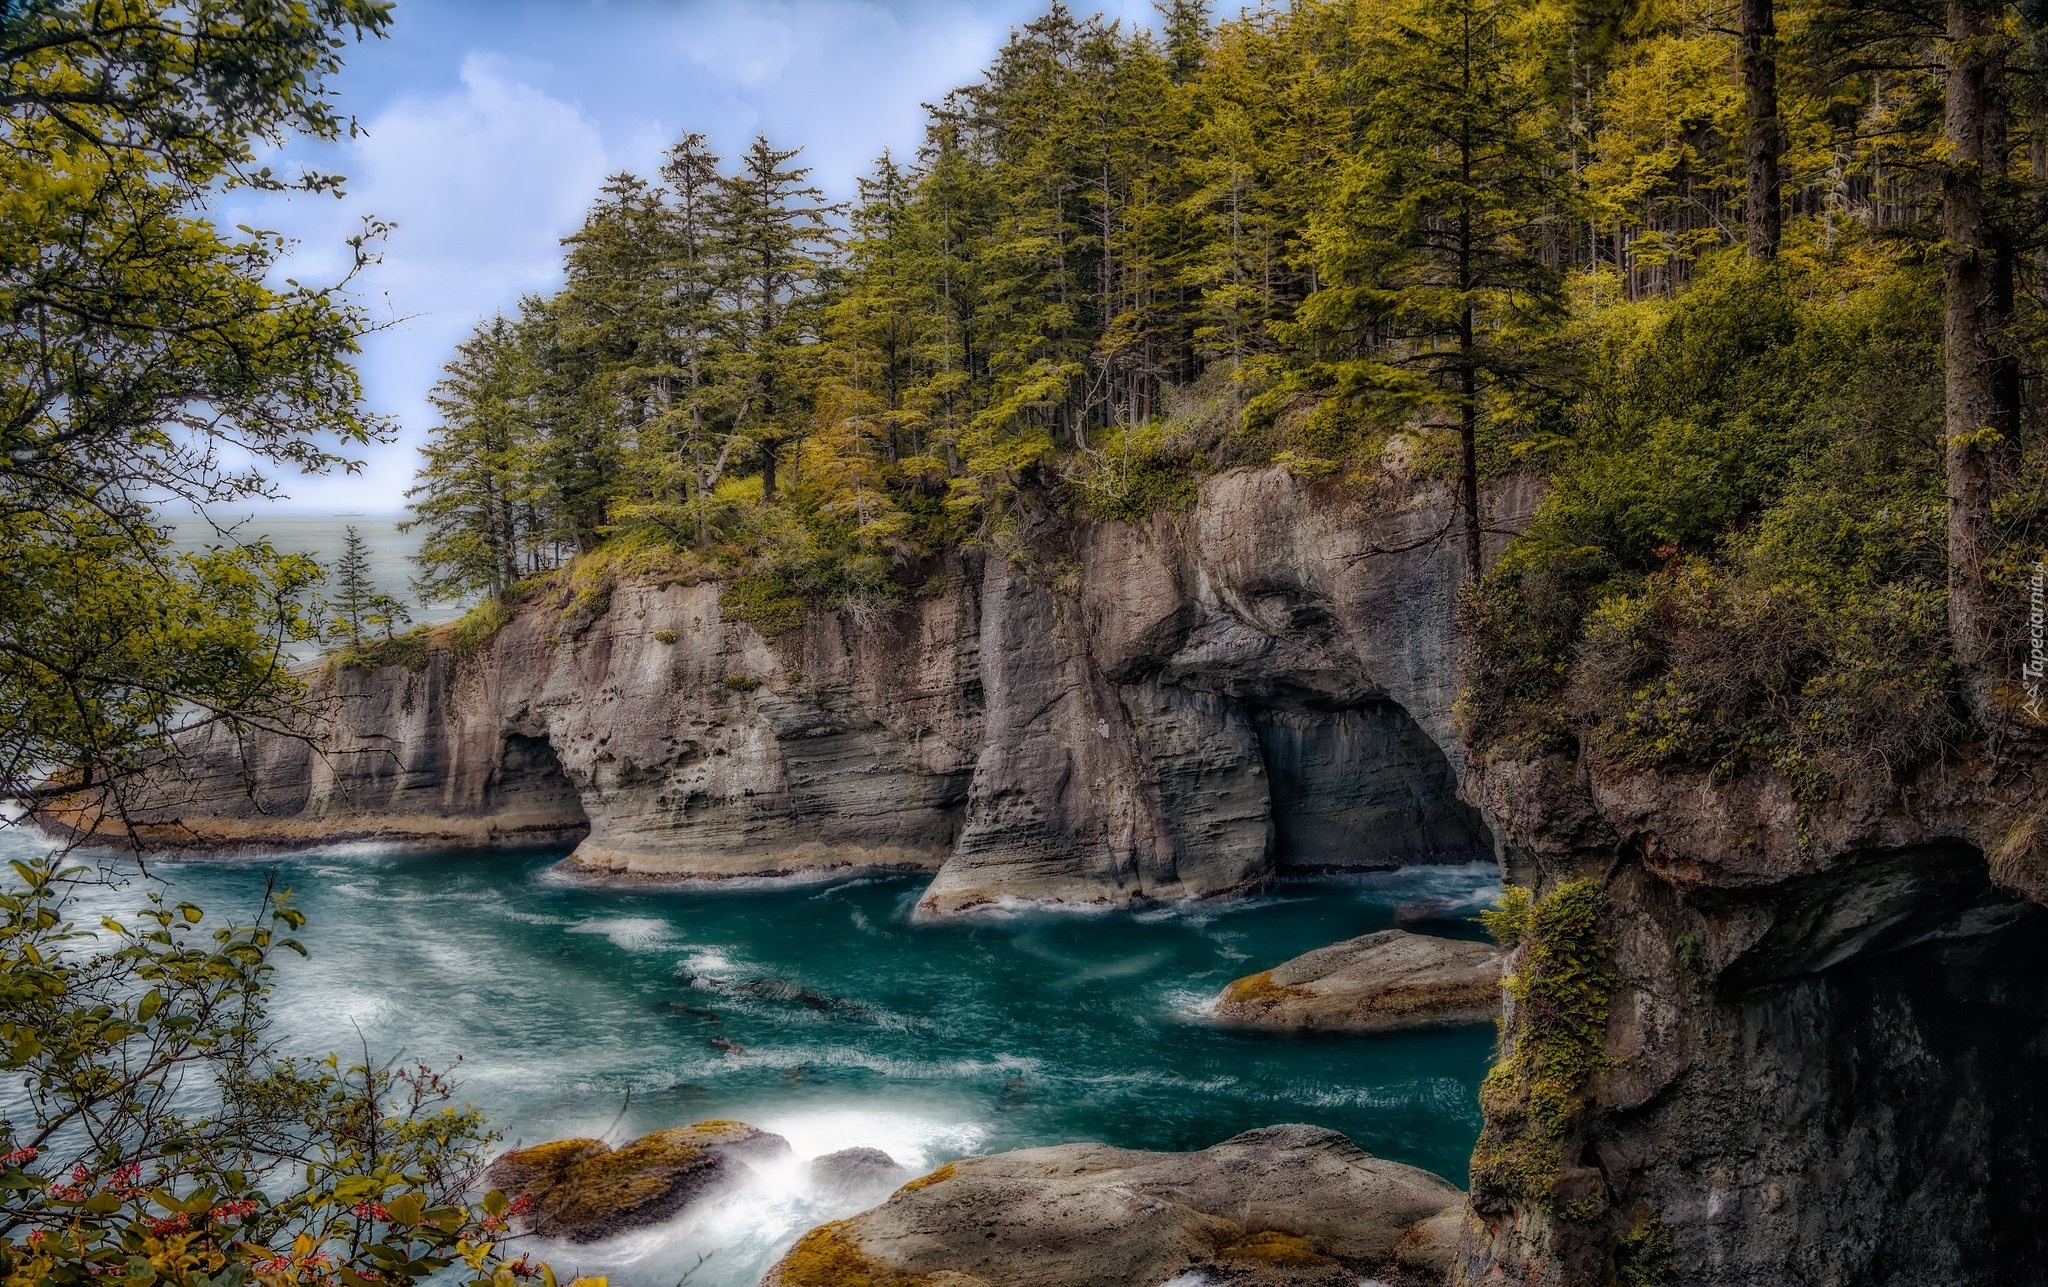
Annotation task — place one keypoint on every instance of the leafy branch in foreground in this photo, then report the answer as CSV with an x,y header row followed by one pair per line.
x,y
153,1133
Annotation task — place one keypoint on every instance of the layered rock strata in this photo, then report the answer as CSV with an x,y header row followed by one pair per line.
x,y
1113,712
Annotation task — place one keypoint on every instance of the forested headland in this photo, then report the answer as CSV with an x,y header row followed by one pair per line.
x,y
1695,264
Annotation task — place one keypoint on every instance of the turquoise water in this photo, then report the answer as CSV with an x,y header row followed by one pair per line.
x,y
582,1009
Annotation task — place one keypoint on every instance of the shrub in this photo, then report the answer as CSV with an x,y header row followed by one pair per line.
x,y
1740,561
154,1108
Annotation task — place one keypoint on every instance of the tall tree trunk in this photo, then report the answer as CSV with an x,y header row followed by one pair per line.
x,y
768,450
1764,142
1974,126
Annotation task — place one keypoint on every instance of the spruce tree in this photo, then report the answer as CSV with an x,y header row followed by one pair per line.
x,y
1431,247
777,231
353,602
478,483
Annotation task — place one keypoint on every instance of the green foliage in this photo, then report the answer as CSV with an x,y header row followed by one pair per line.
x,y
1509,920
1646,1255
766,602
153,1112
1740,562
410,650
111,643
138,338
1535,1094
356,613
475,629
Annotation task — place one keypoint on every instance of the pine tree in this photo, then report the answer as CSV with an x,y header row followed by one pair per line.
x,y
479,488
694,266
353,604
1431,248
777,233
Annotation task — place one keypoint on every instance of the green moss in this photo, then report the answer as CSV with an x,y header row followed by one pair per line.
x,y
767,603
665,636
1509,919
828,1256
742,683
939,1176
477,627
409,650
1535,1096
1271,1247
1646,1256
1258,991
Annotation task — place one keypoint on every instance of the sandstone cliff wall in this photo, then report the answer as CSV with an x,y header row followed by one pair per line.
x,y
1115,712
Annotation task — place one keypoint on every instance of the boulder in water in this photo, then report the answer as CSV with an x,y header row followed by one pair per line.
x,y
1385,982
581,1190
857,1174
1286,1206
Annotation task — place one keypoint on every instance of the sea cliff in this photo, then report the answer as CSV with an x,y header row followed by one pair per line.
x,y
1107,712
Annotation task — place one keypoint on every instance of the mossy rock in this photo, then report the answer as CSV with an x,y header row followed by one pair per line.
x,y
581,1190
1391,981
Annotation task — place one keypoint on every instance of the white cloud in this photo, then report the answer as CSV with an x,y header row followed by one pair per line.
x,y
481,185
484,178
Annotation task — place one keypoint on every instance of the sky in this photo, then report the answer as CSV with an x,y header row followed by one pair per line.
x,y
487,126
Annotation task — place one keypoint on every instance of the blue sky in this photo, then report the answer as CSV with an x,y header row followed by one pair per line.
x,y
488,126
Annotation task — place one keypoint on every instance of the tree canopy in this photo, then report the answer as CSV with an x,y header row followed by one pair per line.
x,y
1380,243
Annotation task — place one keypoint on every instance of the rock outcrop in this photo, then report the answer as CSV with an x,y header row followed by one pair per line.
x,y
1117,712
1391,981
582,1190
1284,1205
1822,1054
856,1174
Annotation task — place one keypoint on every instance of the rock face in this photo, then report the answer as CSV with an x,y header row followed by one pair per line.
x,y
1824,1048
581,1190
1287,1204
1391,981
857,1174
1120,712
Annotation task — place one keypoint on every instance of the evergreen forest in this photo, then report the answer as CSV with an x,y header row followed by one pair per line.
x,y
1695,265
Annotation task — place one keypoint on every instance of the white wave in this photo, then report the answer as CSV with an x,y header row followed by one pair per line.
x,y
1192,1005
634,933
711,962
782,1059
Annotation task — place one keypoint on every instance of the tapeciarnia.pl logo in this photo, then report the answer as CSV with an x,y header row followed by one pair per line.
x,y
2037,638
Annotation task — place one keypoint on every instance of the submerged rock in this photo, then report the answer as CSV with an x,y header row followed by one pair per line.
x,y
1385,982
857,1174
1286,1206
583,1190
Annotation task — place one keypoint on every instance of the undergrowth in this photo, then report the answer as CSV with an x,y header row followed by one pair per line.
x,y
1740,561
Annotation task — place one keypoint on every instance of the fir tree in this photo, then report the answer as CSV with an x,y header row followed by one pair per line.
x,y
1431,249
776,229
354,601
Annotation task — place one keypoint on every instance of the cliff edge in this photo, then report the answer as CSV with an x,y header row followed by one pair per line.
x,y
1116,712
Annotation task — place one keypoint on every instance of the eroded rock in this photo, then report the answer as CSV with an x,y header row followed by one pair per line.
x,y
582,1190
1390,981
854,1174
1292,1205
1120,713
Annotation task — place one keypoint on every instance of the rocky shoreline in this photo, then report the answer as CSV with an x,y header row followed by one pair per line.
x,y
1124,713
1284,1206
